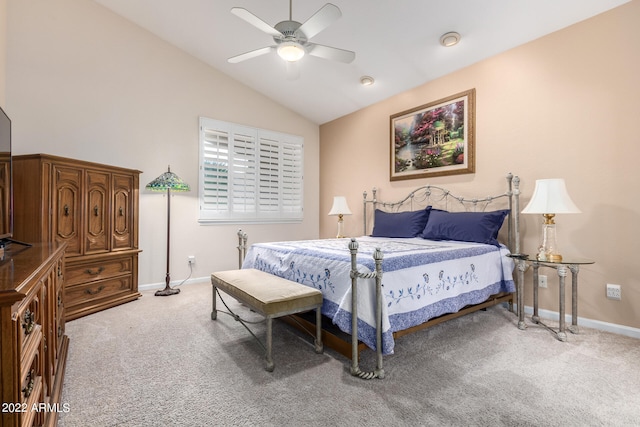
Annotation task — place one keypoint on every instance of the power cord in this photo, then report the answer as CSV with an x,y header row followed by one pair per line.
x,y
188,277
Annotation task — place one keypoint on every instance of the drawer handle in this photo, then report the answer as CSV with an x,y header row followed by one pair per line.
x,y
66,210
28,321
29,388
94,272
95,210
121,211
90,292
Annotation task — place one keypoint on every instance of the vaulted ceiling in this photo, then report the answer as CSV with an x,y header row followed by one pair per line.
x,y
395,42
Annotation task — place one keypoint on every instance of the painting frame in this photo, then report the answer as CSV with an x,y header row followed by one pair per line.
x,y
434,139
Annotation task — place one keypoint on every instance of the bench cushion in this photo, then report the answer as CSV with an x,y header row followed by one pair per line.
x,y
268,294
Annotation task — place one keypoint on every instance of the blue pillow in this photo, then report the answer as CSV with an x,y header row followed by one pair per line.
x,y
479,227
399,224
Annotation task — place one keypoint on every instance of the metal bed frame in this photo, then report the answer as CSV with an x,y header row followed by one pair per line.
x,y
440,198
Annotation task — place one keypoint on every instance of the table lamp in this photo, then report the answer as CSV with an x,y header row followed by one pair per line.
x,y
168,182
340,208
550,197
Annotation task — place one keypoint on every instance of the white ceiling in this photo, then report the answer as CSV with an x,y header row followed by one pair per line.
x,y
396,42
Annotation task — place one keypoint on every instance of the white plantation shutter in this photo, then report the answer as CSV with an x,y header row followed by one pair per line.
x,y
249,174
291,177
269,177
243,172
214,170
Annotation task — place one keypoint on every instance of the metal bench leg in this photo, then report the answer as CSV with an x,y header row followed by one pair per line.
x,y
270,365
318,341
214,312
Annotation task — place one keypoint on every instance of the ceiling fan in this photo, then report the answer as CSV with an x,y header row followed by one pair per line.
x,y
292,38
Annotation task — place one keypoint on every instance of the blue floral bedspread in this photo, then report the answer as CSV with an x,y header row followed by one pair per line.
x,y
422,279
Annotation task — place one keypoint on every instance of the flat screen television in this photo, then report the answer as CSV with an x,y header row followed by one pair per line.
x,y
6,184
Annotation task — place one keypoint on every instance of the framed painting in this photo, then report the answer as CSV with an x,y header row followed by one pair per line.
x,y
434,139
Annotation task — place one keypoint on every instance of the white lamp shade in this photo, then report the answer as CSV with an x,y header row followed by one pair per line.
x,y
550,197
340,206
290,51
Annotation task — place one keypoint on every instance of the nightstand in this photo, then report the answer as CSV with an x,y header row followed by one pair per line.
x,y
573,265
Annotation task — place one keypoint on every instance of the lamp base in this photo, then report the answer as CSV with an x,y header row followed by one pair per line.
x,y
549,257
166,292
340,234
548,250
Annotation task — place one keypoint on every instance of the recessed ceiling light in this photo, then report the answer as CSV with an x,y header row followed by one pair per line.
x,y
366,80
449,39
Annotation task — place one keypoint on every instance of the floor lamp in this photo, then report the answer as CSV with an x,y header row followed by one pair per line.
x,y
168,182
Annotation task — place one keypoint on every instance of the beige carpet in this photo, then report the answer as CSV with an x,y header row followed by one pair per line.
x,y
162,361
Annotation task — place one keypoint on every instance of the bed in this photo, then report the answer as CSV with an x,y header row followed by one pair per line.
x,y
429,255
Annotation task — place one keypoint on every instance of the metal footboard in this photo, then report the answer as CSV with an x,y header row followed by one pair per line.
x,y
355,275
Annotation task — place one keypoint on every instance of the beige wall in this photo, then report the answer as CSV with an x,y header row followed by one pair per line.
x,y
563,106
85,83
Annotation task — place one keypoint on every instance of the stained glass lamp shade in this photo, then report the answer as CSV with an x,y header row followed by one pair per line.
x,y
168,182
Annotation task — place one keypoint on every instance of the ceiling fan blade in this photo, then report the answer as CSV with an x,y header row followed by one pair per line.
x,y
320,20
293,70
251,54
332,53
252,19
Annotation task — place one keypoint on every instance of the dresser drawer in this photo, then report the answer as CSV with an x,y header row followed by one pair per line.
x,y
31,391
89,271
109,288
29,320
31,372
60,317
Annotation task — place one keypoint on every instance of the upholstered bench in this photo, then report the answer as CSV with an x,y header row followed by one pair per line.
x,y
270,296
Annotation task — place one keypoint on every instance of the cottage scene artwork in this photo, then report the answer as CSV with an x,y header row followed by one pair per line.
x,y
434,139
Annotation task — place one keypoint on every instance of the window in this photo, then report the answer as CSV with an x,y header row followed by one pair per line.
x,y
248,174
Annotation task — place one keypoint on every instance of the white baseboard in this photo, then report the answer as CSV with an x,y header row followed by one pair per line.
x,y
587,323
545,314
173,284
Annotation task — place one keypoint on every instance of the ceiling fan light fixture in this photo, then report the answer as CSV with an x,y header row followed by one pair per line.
x,y
450,39
290,51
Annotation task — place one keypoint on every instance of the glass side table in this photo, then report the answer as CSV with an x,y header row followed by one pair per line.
x,y
573,265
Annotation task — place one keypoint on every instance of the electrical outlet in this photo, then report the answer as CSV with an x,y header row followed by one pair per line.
x,y
191,259
614,292
542,281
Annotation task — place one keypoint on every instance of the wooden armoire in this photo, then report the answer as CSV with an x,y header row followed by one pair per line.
x,y
91,207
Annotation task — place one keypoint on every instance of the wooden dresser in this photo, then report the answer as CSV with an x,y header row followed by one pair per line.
x,y
33,344
91,207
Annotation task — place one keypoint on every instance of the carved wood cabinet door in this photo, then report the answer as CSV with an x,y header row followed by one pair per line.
x,y
124,212
98,187
67,203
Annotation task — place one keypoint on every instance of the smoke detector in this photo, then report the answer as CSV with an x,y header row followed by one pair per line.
x,y
366,80
450,39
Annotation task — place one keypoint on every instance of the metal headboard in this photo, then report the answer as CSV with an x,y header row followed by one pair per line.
x,y
441,198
